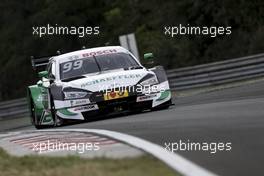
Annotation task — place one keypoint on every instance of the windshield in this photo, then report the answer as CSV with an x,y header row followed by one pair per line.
x,y
95,64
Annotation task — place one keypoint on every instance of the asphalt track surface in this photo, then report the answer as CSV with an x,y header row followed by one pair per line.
x,y
233,115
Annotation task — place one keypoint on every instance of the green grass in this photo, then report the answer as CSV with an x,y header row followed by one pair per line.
x,y
75,166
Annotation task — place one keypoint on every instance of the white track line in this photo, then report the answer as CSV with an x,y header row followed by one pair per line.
x,y
173,160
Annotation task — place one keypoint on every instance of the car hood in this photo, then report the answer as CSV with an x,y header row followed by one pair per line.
x,y
109,80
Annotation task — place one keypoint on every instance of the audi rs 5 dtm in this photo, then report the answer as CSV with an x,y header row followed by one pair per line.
x,y
95,82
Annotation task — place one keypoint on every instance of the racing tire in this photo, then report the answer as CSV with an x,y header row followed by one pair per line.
x,y
33,115
57,120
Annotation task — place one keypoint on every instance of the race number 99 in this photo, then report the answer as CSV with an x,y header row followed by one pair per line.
x,y
75,65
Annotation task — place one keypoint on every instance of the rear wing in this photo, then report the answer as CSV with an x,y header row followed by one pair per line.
x,y
40,61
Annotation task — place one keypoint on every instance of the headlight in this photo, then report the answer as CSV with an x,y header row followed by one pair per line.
x,y
151,81
75,95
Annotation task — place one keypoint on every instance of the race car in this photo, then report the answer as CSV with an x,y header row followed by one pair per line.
x,y
94,83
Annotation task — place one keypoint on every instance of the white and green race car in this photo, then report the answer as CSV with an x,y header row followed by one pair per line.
x,y
95,82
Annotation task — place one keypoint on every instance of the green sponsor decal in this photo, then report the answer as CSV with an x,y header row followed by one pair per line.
x,y
164,95
66,112
47,118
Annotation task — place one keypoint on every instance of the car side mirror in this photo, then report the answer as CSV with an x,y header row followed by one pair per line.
x,y
43,74
149,59
148,56
39,83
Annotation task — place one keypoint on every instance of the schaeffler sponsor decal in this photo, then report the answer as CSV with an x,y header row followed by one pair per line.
x,y
97,53
146,97
79,102
111,79
85,108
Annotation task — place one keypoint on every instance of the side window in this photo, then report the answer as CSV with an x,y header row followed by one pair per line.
x,y
51,70
48,67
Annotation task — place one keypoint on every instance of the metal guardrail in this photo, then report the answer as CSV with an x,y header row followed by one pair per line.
x,y
199,76
217,73
14,108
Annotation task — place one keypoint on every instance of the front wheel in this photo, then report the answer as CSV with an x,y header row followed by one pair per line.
x,y
33,115
57,120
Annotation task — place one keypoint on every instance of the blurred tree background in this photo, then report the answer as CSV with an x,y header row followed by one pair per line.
x,y
117,17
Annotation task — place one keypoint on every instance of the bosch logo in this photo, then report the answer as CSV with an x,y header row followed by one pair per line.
x,y
97,53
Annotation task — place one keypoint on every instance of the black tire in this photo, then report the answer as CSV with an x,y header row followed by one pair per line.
x,y
34,120
57,120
